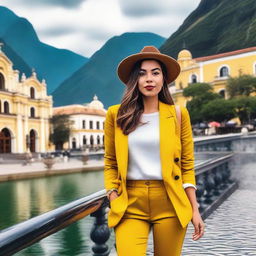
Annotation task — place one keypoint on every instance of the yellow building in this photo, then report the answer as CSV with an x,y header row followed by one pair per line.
x,y
25,110
214,69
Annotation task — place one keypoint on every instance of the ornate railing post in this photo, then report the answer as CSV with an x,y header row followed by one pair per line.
x,y
200,192
100,232
217,180
209,184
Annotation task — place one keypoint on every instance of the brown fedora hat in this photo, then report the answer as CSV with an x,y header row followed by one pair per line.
x,y
148,52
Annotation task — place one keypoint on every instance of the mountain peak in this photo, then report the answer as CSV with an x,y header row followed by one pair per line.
x,y
215,26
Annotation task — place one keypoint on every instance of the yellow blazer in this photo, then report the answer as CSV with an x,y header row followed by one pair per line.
x,y
176,154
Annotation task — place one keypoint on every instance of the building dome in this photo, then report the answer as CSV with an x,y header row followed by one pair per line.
x,y
184,55
96,104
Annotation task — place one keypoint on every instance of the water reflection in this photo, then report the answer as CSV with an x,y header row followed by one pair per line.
x,y
21,200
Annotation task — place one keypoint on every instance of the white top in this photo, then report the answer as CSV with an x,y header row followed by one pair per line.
x,y
144,150
144,154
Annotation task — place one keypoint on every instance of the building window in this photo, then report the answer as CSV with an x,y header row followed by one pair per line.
x,y
91,140
84,140
98,139
74,143
224,72
91,124
103,125
83,124
2,87
32,112
32,93
222,93
194,79
6,107
98,125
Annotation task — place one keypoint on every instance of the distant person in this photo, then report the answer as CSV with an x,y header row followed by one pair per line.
x,y
149,160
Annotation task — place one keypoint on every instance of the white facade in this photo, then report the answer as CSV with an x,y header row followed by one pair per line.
x,y
88,124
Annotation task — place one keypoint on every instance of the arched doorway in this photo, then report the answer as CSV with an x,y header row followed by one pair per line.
x,y
5,141
32,141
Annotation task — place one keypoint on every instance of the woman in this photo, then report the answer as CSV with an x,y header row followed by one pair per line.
x,y
149,161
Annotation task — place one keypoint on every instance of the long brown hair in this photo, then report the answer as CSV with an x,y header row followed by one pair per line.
x,y
132,107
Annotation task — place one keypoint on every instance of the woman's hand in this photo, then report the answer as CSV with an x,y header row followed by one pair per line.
x,y
198,225
113,195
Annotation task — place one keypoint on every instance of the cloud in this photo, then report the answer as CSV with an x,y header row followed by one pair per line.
x,y
85,29
60,3
142,8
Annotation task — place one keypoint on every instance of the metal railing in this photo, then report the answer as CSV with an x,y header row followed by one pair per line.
x,y
214,185
24,234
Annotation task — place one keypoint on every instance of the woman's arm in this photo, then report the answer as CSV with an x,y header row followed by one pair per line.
x,y
111,180
188,172
187,149
196,218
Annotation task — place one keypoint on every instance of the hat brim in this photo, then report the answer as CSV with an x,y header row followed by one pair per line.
x,y
125,66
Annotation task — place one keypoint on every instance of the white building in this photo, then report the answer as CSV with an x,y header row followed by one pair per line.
x,y
88,123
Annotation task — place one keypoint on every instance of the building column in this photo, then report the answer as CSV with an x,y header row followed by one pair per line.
x,y
19,147
42,135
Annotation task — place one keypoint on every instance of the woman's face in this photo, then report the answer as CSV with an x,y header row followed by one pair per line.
x,y
151,79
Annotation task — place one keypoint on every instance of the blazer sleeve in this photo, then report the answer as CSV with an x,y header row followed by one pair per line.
x,y
111,180
187,149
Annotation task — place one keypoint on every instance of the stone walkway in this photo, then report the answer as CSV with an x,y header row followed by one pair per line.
x,y
231,229
37,169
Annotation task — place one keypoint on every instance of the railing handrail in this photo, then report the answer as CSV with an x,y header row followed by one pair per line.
x,y
224,137
26,233
210,139
211,163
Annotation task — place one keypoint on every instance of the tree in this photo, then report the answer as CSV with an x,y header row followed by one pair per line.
x,y
245,108
61,130
243,85
219,110
201,94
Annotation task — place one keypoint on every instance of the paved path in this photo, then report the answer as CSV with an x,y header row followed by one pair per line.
x,y
231,229
37,169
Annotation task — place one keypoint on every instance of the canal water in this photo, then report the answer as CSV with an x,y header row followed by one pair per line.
x,y
23,199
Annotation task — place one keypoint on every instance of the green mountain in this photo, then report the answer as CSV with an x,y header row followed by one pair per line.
x,y
98,76
50,63
215,26
19,63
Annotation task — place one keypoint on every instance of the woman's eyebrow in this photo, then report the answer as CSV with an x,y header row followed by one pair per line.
x,y
151,69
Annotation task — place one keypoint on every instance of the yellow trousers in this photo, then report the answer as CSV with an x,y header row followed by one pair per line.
x,y
149,207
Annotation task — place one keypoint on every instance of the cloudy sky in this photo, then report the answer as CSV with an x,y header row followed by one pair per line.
x,y
83,26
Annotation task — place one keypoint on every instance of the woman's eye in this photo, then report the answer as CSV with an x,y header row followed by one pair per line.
x,y
156,73
141,73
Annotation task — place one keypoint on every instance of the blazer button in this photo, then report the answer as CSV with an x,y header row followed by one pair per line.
x,y
176,159
176,177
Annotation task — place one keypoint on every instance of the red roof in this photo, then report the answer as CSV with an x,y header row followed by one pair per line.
x,y
78,109
225,54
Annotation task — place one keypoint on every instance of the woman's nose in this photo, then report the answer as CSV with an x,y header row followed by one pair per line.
x,y
149,77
